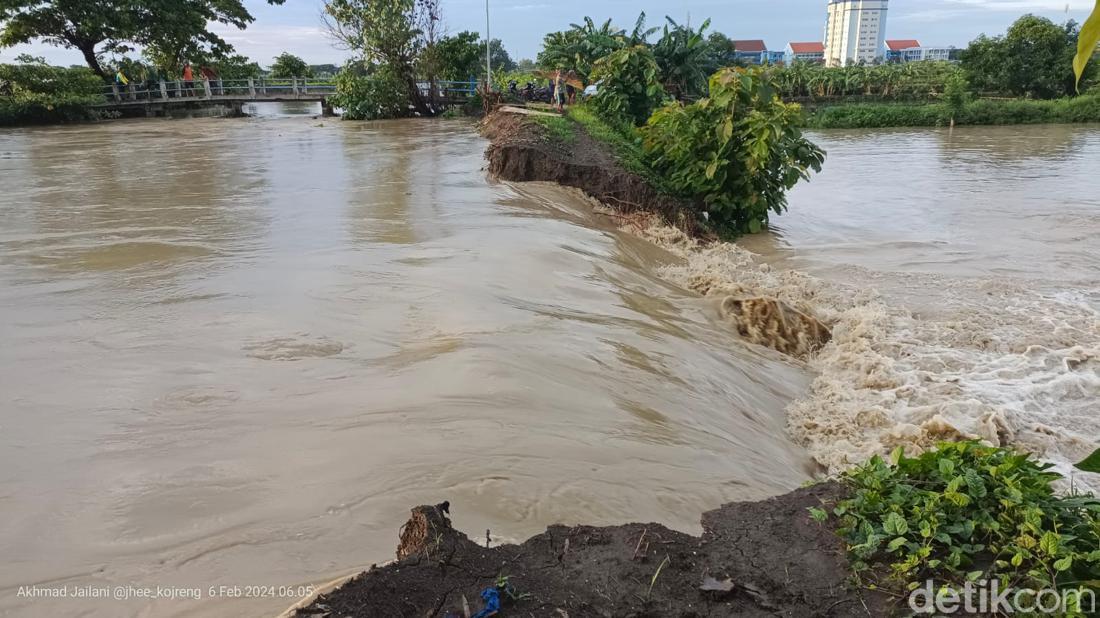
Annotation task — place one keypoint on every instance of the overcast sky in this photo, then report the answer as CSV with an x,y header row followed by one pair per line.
x,y
521,24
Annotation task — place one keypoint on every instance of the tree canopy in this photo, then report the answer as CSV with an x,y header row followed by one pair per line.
x,y
168,29
288,65
1034,59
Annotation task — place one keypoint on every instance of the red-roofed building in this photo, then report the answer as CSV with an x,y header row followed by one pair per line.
x,y
902,50
901,44
805,52
754,51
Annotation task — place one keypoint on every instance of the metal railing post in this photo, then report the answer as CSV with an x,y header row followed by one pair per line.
x,y
251,88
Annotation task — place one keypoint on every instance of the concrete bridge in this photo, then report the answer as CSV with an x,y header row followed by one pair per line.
x,y
165,98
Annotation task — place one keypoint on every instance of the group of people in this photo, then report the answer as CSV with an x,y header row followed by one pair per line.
x,y
187,87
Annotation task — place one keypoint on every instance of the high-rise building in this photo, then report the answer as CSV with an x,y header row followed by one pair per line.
x,y
855,32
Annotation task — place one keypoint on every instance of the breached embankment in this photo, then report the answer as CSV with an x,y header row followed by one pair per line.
x,y
990,370
999,361
764,558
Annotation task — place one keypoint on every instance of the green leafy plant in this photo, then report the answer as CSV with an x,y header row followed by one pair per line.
x,y
382,94
686,59
965,512
735,153
629,90
1091,463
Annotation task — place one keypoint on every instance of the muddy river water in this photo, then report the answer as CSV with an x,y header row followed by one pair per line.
x,y
234,352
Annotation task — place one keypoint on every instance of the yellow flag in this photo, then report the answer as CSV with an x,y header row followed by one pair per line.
x,y
1086,43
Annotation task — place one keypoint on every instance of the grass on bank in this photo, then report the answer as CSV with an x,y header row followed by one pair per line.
x,y
624,143
967,512
1080,109
557,128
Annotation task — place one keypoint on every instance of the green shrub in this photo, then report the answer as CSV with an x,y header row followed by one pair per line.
x,y
629,89
44,79
42,109
968,512
735,153
40,94
382,94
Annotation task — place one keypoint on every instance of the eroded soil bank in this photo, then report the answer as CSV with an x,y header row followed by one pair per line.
x,y
766,558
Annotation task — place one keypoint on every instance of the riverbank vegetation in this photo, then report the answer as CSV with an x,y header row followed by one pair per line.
x,y
963,513
34,93
1085,108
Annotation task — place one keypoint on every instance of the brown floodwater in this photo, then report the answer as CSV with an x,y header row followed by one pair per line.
x,y
236,351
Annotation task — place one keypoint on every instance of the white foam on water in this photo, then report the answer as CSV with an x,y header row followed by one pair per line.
x,y
992,360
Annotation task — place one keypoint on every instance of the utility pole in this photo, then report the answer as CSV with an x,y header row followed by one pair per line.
x,y
488,58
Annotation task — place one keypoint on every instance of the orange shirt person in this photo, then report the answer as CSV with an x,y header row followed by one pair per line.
x,y
188,79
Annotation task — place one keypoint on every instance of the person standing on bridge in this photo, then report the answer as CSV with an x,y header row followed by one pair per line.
x,y
211,78
188,79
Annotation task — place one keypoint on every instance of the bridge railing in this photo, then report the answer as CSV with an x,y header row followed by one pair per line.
x,y
252,88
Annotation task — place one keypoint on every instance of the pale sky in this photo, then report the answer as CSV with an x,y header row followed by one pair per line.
x,y
521,24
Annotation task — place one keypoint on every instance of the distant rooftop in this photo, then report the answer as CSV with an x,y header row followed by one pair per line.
x,y
752,45
808,48
900,44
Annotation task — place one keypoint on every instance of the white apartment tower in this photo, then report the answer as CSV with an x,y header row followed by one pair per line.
x,y
855,32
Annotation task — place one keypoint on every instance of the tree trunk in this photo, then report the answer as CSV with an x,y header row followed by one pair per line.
x,y
417,99
88,49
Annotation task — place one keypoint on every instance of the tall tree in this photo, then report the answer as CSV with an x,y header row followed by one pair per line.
x,y
288,65
386,32
94,27
1034,58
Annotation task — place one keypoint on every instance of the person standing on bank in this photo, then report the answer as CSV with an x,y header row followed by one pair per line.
x,y
559,92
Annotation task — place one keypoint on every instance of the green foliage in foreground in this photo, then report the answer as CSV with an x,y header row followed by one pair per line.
x,y
968,512
981,112
735,153
382,94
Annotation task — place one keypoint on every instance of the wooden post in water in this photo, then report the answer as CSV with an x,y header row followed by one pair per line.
x,y
251,88
163,90
326,108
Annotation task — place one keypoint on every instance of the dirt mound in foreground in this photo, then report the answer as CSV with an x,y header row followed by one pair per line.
x,y
765,558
